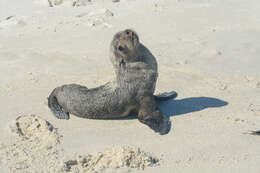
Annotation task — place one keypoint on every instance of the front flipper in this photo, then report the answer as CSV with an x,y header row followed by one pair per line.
x,y
150,115
166,96
157,122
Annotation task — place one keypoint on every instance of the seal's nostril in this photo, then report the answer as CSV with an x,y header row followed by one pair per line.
x,y
122,63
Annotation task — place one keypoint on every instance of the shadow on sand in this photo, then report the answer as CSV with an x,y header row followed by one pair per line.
x,y
175,107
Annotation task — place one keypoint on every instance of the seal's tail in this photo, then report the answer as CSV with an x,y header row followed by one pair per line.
x,y
56,109
166,96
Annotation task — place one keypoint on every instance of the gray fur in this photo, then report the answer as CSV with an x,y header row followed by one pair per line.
x,y
132,90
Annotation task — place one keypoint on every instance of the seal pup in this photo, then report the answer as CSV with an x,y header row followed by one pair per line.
x,y
131,91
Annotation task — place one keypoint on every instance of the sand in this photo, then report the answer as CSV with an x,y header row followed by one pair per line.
x,y
117,159
207,51
37,148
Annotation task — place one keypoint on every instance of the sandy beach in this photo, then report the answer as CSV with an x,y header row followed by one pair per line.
x,y
208,51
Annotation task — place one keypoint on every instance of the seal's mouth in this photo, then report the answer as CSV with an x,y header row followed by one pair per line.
x,y
122,63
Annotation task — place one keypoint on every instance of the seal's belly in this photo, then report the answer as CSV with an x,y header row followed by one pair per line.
x,y
125,113
107,113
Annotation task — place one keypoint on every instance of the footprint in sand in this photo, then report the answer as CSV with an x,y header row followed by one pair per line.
x,y
11,21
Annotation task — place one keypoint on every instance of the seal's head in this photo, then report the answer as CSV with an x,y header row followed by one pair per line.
x,y
125,45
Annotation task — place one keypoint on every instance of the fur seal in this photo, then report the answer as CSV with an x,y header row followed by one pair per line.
x,y
131,91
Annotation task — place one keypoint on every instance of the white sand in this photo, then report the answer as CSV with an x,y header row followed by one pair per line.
x,y
37,148
207,50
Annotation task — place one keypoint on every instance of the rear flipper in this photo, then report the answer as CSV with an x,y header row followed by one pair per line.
x,y
56,109
166,96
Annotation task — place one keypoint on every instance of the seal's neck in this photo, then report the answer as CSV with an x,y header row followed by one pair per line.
x,y
133,72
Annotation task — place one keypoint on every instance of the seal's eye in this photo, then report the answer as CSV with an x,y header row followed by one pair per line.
x,y
127,32
120,48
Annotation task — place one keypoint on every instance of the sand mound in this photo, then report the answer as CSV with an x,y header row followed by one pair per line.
x,y
35,148
114,158
32,126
